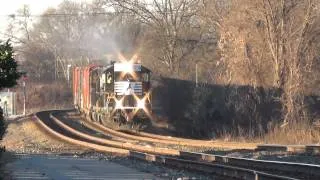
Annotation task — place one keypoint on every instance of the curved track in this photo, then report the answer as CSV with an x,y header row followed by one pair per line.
x,y
220,165
44,120
113,143
160,139
171,140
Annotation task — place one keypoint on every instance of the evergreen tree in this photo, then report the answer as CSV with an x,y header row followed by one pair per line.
x,y
9,74
8,66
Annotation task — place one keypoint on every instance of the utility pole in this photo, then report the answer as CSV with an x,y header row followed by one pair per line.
x,y
196,74
68,73
24,95
55,69
24,98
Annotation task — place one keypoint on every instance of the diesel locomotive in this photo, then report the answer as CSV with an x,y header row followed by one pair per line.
x,y
120,92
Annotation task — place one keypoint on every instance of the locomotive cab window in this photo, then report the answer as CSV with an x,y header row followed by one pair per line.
x,y
109,78
145,77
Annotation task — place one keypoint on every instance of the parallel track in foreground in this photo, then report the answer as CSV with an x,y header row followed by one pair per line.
x,y
219,165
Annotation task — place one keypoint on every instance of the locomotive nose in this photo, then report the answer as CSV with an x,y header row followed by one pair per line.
x,y
117,91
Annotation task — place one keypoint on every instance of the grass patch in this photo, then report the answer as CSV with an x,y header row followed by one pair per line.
x,y
298,133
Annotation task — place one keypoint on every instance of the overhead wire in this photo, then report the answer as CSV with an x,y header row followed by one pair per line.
x,y
75,14
63,14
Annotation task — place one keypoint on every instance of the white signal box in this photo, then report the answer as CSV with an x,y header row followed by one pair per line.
x,y
8,103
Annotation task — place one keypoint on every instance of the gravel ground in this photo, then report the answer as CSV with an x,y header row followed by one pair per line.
x,y
25,136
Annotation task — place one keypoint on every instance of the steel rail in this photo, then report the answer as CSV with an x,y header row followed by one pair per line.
x,y
306,169
309,171
112,143
222,165
87,125
148,137
217,169
193,143
54,133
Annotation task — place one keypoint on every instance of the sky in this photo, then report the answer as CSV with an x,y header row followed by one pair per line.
x,y
36,7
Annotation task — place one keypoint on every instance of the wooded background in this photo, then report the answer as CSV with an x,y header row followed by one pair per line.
x,y
258,61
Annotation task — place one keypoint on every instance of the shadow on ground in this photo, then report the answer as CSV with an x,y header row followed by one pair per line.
x,y
5,158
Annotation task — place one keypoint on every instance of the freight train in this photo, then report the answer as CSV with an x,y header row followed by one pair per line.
x,y
119,92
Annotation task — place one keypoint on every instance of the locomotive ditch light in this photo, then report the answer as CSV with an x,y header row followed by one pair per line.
x,y
118,103
141,103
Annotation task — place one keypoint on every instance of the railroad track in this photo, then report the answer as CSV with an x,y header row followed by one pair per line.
x,y
45,122
171,140
239,168
153,138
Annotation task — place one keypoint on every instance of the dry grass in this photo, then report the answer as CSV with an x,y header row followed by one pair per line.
x,y
299,133
44,96
295,134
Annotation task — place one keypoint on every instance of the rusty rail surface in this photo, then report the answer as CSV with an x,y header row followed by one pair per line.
x,y
116,151
190,142
148,137
112,143
240,168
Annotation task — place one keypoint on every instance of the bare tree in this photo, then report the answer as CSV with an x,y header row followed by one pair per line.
x,y
284,32
172,23
290,32
74,33
19,25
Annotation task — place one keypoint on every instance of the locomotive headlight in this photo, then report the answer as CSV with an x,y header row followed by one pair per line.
x,y
127,67
141,103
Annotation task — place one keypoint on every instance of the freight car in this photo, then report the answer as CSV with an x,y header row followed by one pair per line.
x,y
120,92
